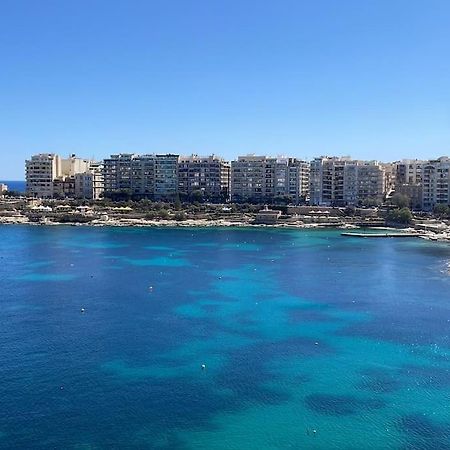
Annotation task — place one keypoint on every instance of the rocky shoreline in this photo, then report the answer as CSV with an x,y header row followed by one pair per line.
x,y
24,211
442,236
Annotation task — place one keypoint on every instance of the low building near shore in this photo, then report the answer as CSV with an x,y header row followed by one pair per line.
x,y
267,216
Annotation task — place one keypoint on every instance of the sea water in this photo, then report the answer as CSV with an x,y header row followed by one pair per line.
x,y
222,339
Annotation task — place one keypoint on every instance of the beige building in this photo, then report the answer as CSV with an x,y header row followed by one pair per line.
x,y
342,181
40,171
265,179
89,184
48,175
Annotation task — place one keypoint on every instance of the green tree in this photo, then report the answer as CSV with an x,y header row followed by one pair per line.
x,y
402,216
400,200
163,214
442,210
196,196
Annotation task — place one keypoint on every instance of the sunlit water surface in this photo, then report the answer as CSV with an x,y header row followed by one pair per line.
x,y
310,340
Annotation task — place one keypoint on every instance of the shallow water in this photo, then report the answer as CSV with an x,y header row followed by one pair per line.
x,y
310,339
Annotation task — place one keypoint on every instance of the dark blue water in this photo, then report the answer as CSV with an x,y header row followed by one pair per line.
x,y
299,331
16,186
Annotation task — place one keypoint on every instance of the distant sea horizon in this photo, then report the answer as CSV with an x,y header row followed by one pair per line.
x,y
15,185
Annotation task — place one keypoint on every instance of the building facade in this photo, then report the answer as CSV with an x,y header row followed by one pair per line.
x,y
89,185
141,176
117,173
327,180
436,183
263,179
50,176
342,181
40,172
166,177
205,178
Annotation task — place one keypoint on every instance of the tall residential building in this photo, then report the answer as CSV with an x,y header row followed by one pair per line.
x,y
166,176
297,181
264,179
436,183
117,173
250,179
41,170
408,180
326,185
368,183
141,176
48,175
341,181
208,176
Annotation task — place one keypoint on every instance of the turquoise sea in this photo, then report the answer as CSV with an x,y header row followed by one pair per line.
x,y
310,340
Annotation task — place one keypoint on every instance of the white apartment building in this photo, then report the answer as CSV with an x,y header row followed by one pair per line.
x,y
40,172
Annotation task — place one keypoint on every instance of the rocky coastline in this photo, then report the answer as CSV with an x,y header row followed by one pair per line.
x,y
14,212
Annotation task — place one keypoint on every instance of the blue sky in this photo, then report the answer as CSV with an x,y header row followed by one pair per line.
x,y
366,78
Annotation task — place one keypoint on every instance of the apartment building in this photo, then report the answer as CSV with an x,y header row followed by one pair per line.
x,y
40,172
117,173
370,183
327,180
264,179
89,184
409,171
166,177
141,176
50,176
342,181
208,177
436,183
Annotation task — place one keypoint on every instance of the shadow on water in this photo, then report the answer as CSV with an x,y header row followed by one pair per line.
x,y
341,405
423,433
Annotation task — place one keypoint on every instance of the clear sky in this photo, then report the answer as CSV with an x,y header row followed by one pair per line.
x,y
368,78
